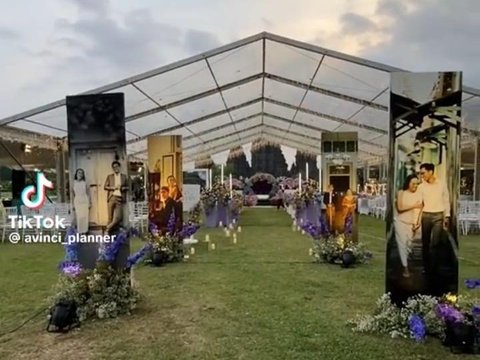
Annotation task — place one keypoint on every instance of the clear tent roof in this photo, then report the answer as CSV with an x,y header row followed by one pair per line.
x,y
268,86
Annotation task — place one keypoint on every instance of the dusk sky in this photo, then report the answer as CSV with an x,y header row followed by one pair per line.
x,y
52,48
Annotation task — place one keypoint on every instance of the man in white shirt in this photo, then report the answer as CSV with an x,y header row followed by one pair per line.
x,y
116,187
435,218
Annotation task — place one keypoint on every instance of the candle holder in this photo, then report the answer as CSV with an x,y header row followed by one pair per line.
x,y
239,229
192,251
212,246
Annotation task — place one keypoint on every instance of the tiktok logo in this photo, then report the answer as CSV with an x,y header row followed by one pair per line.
x,y
34,197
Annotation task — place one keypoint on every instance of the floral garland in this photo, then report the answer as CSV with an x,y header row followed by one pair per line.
x,y
421,316
269,178
195,214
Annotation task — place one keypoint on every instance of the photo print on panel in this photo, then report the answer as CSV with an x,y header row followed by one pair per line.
x,y
422,244
165,181
99,188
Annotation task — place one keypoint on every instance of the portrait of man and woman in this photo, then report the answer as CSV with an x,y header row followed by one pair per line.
x,y
340,209
115,189
165,200
422,218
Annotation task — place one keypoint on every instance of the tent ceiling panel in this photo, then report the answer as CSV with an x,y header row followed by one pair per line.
x,y
237,63
246,111
384,98
193,155
278,110
207,125
150,124
41,129
55,118
351,79
198,108
377,118
224,129
243,93
283,92
471,113
322,123
330,105
178,83
297,137
135,101
291,62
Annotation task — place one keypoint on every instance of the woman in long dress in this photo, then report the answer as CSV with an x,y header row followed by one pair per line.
x,y
407,219
349,204
176,195
81,201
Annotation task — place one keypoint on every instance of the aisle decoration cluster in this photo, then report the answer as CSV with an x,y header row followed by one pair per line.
x,y
455,320
168,247
218,194
307,195
195,214
102,292
336,248
236,205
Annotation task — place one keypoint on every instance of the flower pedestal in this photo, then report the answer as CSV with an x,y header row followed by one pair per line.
x,y
211,217
301,216
159,258
222,214
462,338
312,213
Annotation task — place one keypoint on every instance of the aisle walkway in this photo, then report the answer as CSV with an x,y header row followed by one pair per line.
x,y
262,298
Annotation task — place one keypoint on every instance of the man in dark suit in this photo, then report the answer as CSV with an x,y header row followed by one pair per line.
x,y
116,186
164,212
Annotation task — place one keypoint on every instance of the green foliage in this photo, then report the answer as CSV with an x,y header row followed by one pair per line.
x,y
330,249
100,293
169,246
387,318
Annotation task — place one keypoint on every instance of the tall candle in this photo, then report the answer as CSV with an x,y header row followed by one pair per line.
x,y
231,186
221,174
306,172
319,179
300,182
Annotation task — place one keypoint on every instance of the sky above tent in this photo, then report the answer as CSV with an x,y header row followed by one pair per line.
x,y
58,47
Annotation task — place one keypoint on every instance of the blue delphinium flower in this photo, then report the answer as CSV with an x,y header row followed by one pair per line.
x,y
71,247
111,250
135,258
171,223
476,310
472,283
417,327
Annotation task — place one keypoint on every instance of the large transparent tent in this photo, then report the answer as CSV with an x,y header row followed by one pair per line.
x,y
265,86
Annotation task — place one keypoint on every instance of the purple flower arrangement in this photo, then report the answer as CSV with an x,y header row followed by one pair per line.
x,y
417,327
111,250
171,223
71,269
448,313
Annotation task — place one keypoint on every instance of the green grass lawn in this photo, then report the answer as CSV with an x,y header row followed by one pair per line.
x,y
262,298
